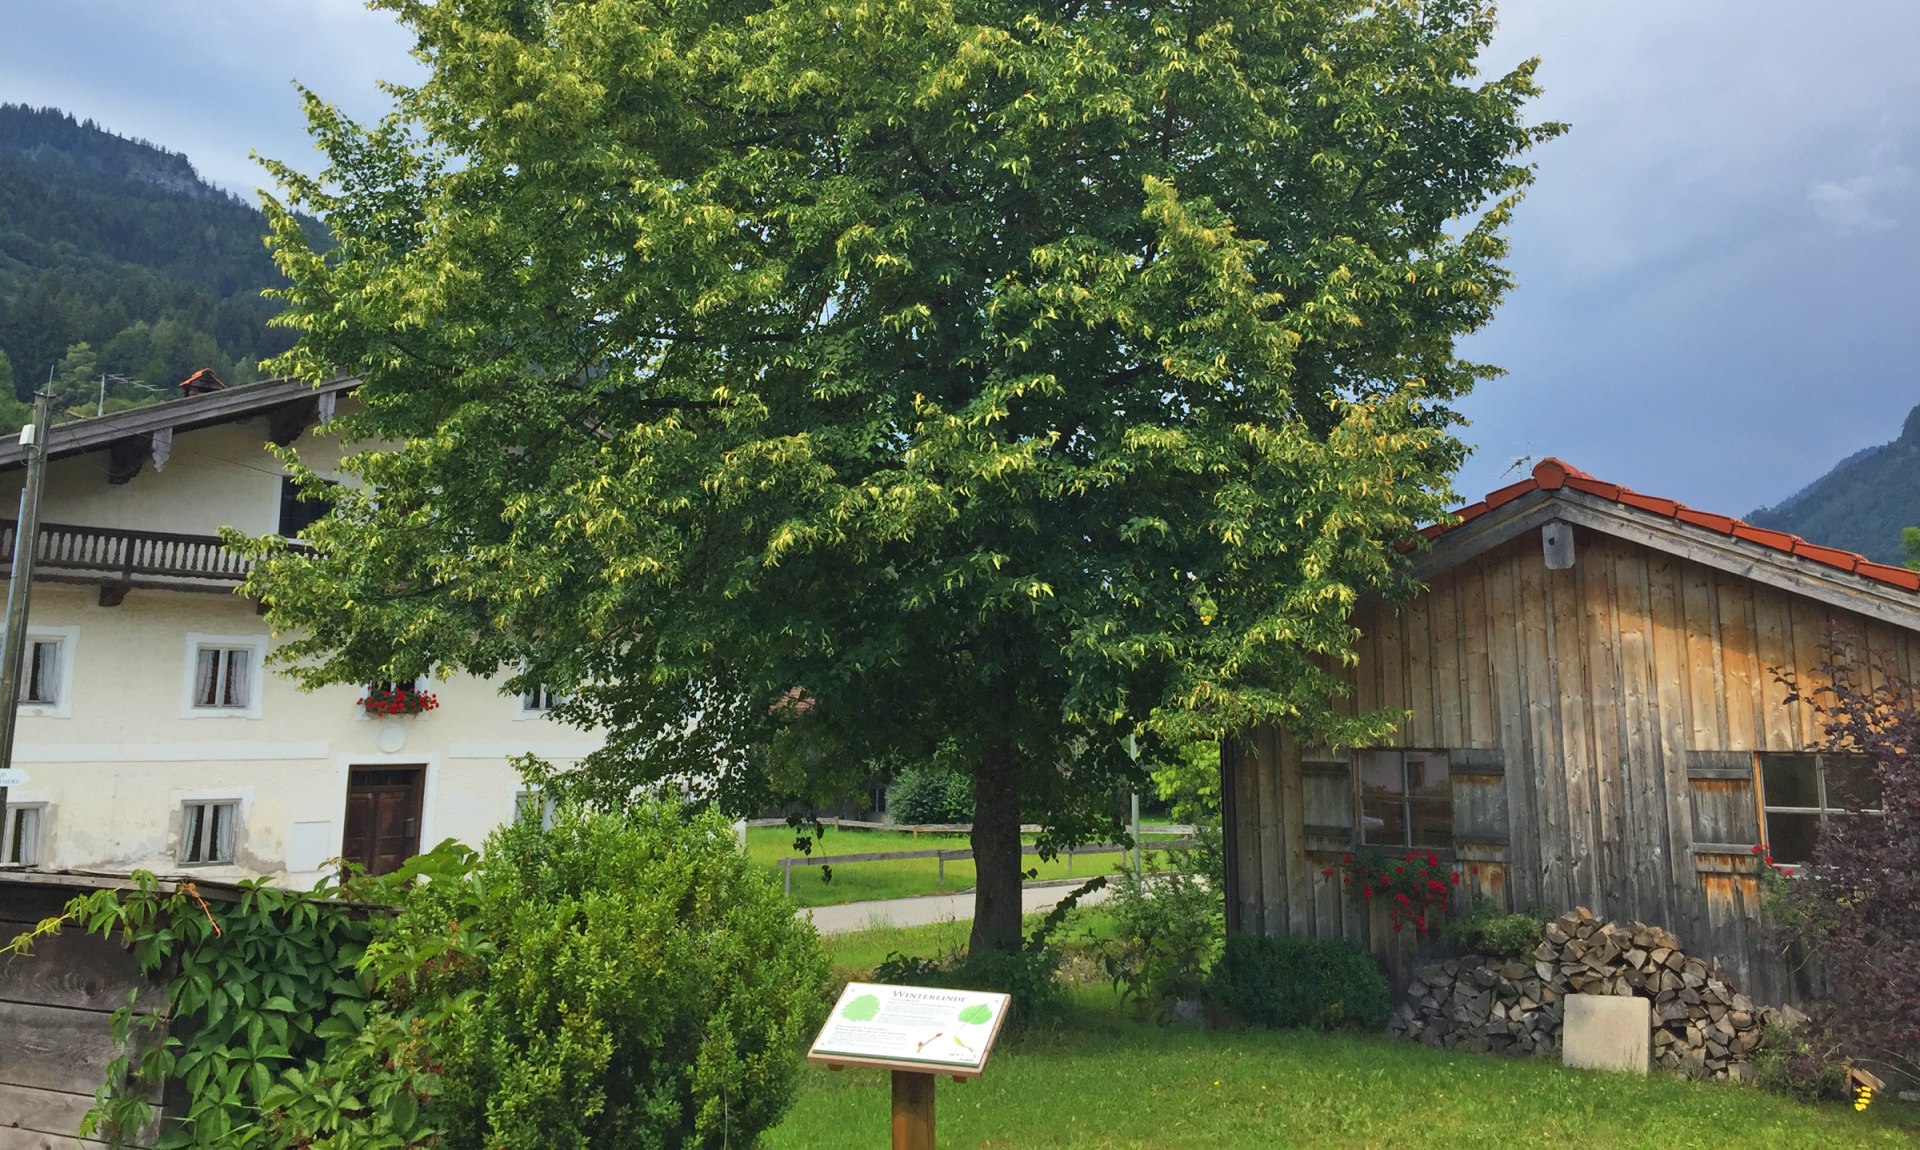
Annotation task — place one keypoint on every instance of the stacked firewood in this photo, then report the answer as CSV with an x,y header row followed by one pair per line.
x,y
1702,1027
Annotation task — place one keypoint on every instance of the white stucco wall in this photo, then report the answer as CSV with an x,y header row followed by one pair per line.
x,y
121,753
128,751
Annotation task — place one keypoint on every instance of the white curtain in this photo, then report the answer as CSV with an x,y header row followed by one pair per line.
x,y
43,679
239,679
206,678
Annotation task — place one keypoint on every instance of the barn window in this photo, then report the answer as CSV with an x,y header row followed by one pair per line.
x,y
1800,792
1406,799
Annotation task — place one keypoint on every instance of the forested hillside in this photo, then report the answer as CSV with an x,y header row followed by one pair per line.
x,y
1861,504
116,258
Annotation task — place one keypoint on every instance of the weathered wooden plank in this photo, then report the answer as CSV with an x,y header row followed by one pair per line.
x,y
1478,761
1567,667
1293,846
1720,765
27,1111
1417,639
1739,670
48,1118
1273,885
1645,824
1483,724
1808,625
21,901
1612,806
1773,650
13,1139
1723,811
1326,796
1883,656
1242,856
1365,675
1480,809
1549,815
1506,653
57,1048
1674,725
1449,681
1390,643
1701,631
85,972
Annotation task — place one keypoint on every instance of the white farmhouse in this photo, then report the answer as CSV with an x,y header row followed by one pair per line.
x,y
151,732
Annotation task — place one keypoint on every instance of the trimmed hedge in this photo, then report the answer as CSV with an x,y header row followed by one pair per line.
x,y
930,795
1300,982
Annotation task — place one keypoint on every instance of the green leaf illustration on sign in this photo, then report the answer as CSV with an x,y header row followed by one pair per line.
x,y
976,1014
861,1009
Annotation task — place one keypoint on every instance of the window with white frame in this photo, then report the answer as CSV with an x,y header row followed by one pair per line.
x,y
46,671
540,699
529,805
206,830
21,833
41,684
223,675
1802,791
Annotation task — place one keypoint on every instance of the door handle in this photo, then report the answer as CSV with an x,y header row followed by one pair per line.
x,y
410,830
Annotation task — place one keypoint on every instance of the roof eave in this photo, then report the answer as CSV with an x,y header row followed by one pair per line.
x,y
1763,564
232,405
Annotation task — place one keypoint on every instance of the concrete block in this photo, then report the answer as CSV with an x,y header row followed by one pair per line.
x,y
1606,1032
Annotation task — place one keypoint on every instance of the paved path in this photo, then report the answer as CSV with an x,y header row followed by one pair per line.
x,y
1034,898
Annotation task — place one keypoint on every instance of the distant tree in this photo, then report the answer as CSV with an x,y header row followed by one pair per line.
x,y
1910,543
77,377
807,388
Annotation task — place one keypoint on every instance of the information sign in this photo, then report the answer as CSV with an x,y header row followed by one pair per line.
x,y
915,1028
13,777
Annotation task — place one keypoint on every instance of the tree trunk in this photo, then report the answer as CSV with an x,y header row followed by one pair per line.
x,y
996,850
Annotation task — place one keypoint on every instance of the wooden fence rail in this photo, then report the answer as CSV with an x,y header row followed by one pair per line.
x,y
942,857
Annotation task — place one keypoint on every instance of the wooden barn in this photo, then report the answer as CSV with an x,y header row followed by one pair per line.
x,y
1594,721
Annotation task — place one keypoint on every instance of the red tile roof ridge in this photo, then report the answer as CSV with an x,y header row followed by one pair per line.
x,y
1552,474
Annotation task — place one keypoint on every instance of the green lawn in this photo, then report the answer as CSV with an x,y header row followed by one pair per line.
x,y
1098,1079
901,878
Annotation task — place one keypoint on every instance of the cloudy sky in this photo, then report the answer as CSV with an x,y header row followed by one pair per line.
x,y
1719,267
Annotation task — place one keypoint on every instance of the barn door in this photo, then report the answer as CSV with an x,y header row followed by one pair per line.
x,y
383,816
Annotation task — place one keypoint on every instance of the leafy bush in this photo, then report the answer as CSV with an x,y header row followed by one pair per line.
x,y
1029,972
923,794
1801,1062
1289,981
1857,905
616,981
1488,930
1172,926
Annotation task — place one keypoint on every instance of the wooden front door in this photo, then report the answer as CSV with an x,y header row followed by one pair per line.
x,y
383,816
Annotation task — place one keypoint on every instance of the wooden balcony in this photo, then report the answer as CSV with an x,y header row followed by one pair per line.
x,y
119,559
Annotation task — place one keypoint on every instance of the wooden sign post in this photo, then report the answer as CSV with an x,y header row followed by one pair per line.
x,y
917,1033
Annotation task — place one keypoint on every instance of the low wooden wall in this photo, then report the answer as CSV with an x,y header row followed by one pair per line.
x,y
56,1007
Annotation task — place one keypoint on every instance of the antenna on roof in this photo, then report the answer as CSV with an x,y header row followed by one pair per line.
x,y
1517,463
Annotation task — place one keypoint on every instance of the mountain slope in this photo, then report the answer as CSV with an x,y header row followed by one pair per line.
x,y
115,257
1862,503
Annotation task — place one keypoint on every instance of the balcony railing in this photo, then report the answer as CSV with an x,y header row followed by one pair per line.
x,y
127,556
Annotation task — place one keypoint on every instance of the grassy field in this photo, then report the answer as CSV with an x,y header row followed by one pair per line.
x,y
1097,1080
901,878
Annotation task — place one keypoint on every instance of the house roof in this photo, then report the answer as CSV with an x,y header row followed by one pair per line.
x,y
288,398
1554,475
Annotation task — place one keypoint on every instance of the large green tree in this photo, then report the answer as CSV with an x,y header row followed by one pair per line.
x,y
809,386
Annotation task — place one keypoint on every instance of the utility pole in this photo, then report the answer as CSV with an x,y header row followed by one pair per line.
x,y
25,537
